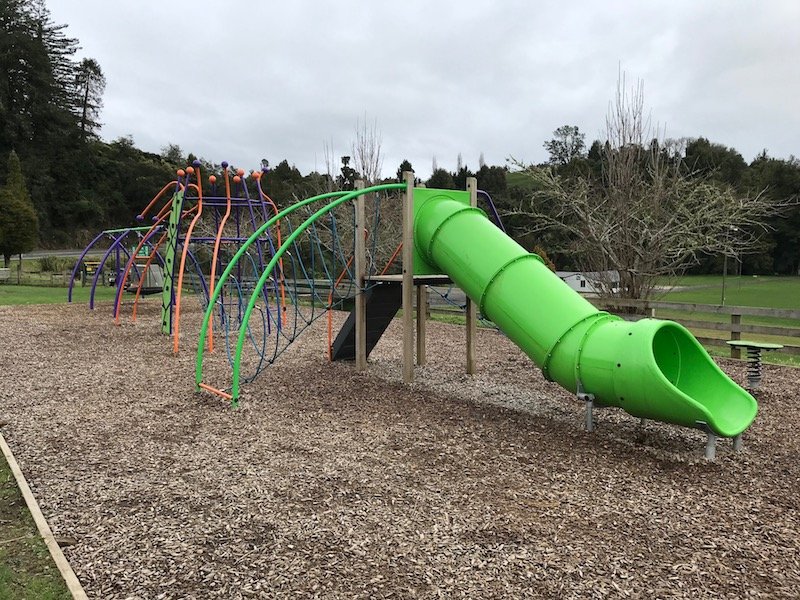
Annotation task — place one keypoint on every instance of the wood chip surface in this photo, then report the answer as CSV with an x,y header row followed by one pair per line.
x,y
329,483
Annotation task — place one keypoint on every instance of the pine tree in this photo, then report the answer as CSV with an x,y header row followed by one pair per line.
x,y
19,225
36,77
90,83
404,166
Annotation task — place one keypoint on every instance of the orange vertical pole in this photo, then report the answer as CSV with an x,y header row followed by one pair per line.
x,y
186,241
216,250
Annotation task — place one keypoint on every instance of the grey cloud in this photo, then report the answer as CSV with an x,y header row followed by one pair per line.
x,y
239,81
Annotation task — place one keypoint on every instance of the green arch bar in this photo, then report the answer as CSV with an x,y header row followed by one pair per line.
x,y
343,197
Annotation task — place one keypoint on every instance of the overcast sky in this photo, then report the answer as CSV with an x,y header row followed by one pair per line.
x,y
245,80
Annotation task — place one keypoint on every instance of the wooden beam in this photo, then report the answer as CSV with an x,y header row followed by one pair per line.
x,y
360,273
73,585
783,313
472,310
408,278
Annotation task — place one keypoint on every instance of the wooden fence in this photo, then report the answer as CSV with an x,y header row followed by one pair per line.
x,y
634,310
733,326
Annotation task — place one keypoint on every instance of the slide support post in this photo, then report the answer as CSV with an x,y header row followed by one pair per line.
x,y
711,446
360,268
589,400
422,315
472,309
408,278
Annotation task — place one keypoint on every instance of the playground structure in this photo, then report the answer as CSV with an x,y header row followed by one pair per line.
x,y
190,236
195,232
652,369
262,275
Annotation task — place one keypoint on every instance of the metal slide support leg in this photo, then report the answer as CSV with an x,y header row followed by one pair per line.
x,y
711,446
737,443
589,399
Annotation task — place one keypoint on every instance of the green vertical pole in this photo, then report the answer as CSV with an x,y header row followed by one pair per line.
x,y
169,262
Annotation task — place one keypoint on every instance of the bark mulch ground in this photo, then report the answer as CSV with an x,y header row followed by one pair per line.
x,y
332,483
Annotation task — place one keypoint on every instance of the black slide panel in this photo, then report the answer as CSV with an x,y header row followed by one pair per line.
x,y
383,301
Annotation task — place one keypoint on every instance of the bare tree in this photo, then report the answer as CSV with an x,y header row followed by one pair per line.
x,y
384,216
331,167
647,217
367,151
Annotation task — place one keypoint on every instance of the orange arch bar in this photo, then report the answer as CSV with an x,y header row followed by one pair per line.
x,y
186,240
158,196
145,269
216,252
278,239
130,262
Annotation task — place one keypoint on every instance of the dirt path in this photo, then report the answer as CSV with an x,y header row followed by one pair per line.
x,y
329,483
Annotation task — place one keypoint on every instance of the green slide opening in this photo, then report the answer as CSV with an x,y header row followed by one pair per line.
x,y
687,366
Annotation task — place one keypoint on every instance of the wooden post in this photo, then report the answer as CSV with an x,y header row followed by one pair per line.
x,y
422,315
736,335
360,273
408,278
472,310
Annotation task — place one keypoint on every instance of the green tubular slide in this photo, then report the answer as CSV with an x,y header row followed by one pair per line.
x,y
651,368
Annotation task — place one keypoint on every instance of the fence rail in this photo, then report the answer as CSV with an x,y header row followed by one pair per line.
x,y
735,327
783,313
38,278
643,308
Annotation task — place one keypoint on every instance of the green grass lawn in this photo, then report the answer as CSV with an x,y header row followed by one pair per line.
x,y
34,294
27,571
769,292
520,180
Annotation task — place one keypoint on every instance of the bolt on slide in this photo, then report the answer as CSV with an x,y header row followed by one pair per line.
x,y
651,368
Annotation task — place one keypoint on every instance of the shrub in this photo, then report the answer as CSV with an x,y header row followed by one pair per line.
x,y
54,264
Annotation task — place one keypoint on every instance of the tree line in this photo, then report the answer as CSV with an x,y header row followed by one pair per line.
x,y
75,183
50,103
770,245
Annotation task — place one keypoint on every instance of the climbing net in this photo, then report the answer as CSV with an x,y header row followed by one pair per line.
x,y
309,275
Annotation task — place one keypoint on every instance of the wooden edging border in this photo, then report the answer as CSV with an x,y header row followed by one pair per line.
x,y
73,585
